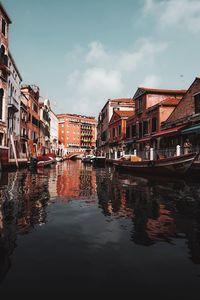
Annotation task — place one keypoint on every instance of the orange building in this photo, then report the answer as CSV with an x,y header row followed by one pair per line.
x,y
31,92
76,133
117,131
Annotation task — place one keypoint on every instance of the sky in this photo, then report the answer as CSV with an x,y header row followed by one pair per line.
x,y
83,52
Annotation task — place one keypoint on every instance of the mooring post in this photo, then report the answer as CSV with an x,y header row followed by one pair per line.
x,y
178,150
151,153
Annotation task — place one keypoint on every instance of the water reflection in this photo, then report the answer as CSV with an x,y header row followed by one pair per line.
x,y
160,210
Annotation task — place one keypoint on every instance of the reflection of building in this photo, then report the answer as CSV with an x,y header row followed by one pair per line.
x,y
23,202
77,181
77,133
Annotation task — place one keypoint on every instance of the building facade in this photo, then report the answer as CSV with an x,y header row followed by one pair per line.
x,y
186,116
117,132
4,72
152,107
14,101
44,127
104,119
53,131
31,92
76,133
24,126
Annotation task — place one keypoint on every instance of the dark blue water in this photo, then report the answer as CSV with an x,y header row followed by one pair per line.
x,y
73,230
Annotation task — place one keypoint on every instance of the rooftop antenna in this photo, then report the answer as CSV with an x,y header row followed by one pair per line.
x,y
182,81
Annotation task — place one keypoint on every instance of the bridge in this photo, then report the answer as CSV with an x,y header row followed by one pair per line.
x,y
74,154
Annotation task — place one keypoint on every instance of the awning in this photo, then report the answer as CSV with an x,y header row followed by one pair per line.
x,y
168,132
144,139
194,128
130,141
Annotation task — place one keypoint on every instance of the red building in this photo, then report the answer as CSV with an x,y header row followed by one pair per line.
x,y
76,133
4,72
152,107
31,92
117,132
186,116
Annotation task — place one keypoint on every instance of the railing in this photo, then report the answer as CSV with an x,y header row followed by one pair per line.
x,y
154,154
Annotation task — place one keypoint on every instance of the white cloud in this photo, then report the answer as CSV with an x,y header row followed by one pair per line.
x,y
96,52
169,13
152,81
108,74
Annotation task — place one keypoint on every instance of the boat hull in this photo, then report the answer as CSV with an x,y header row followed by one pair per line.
x,y
173,165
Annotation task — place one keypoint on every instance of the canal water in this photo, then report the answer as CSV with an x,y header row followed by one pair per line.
x,y
76,230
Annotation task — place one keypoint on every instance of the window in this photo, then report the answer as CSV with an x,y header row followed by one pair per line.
x,y
34,107
104,136
154,124
3,56
1,138
140,130
128,132
119,130
145,127
133,130
113,132
140,102
35,121
3,30
197,103
1,103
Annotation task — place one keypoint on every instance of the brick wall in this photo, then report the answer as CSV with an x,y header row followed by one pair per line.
x,y
186,105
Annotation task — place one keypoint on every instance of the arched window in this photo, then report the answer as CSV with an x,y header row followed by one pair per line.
x,y
3,56
1,103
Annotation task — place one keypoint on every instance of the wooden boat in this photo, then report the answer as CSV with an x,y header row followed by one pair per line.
x,y
88,158
41,161
165,166
99,161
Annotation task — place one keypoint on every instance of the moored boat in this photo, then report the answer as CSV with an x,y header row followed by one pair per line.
x,y
99,161
41,161
165,166
88,158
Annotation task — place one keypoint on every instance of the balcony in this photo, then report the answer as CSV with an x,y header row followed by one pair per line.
x,y
12,108
24,136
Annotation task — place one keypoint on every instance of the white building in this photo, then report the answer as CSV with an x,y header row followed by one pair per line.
x,y
53,131
14,99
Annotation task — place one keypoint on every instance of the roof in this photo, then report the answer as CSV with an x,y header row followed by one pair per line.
x,y
75,116
5,13
164,91
124,113
120,100
142,90
128,100
170,101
